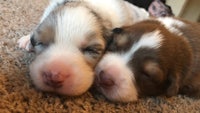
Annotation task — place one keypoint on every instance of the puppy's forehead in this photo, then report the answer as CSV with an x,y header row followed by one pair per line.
x,y
71,23
131,35
75,24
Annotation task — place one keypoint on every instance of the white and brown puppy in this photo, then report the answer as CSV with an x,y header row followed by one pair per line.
x,y
70,39
152,57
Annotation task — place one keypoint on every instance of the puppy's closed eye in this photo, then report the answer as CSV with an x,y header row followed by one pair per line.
x,y
95,49
37,46
92,53
153,72
117,30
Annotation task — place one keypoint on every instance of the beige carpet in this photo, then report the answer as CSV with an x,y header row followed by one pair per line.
x,y
18,95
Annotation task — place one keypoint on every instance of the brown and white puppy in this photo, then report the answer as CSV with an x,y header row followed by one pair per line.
x,y
70,39
152,57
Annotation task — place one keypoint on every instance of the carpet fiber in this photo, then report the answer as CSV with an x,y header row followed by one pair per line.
x,y
18,94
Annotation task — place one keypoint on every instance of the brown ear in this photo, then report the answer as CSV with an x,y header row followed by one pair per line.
x,y
154,71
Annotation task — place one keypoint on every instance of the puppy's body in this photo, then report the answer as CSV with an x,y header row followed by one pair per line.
x,y
70,40
160,56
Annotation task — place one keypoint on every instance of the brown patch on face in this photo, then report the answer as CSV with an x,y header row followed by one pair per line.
x,y
122,41
44,34
93,48
151,78
129,35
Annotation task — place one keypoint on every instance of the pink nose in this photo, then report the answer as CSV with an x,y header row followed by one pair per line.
x,y
53,79
55,73
105,80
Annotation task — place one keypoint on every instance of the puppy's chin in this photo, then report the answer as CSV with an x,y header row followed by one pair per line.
x,y
60,71
116,94
122,88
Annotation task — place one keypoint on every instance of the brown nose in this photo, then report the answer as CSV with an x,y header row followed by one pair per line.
x,y
53,79
105,80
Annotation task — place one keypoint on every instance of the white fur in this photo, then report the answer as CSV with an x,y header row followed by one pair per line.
x,y
102,6
71,30
66,49
150,40
69,20
81,76
120,13
137,13
171,24
124,89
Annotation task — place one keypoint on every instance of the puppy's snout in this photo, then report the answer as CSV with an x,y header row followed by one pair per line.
x,y
53,79
105,80
55,74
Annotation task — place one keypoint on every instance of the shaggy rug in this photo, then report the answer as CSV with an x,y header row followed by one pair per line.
x,y
18,94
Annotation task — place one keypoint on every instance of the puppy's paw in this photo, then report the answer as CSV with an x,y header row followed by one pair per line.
x,y
24,42
172,91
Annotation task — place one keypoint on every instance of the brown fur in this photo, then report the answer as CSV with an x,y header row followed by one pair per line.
x,y
172,68
191,85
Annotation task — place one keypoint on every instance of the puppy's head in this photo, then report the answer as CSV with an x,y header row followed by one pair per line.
x,y
115,80
131,65
68,43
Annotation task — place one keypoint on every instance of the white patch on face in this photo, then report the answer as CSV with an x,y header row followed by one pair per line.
x,y
73,26
64,55
123,89
67,62
171,24
150,40
115,66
